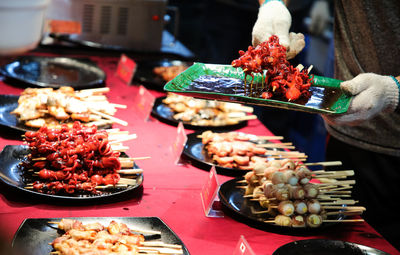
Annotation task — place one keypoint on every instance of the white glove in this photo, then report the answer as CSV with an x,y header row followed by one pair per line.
x,y
275,19
319,17
372,93
296,44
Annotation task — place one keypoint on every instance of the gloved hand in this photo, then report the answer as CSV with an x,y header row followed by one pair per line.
x,y
320,17
275,19
372,93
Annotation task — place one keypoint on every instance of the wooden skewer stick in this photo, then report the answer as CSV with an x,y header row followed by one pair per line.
x,y
346,182
101,122
345,220
106,116
120,148
267,145
161,244
95,90
247,117
160,250
340,202
124,139
326,163
287,153
309,68
270,137
300,67
348,220
334,173
130,171
346,208
335,191
117,133
122,106
127,181
348,213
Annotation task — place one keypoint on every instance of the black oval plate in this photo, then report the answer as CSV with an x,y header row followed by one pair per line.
x,y
144,71
54,72
11,175
326,247
162,112
34,235
194,150
7,104
242,209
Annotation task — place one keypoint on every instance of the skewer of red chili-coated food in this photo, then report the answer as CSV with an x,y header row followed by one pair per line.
x,y
280,77
77,159
116,238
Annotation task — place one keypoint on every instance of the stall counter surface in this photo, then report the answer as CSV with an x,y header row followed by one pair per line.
x,y
170,192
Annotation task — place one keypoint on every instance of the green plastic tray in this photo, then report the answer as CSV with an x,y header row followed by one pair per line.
x,y
338,103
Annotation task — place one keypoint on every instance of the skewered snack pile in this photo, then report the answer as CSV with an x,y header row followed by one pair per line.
x,y
77,159
201,112
283,187
241,151
167,73
281,79
46,106
116,238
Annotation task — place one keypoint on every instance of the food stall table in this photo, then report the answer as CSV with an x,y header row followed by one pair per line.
x,y
170,192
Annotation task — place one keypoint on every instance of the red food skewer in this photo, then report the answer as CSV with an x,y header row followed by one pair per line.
x,y
282,78
77,159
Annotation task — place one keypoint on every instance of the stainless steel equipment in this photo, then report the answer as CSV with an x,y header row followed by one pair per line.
x,y
131,24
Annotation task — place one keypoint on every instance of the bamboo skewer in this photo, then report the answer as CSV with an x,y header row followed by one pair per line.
x,y
260,137
326,163
123,139
345,220
106,116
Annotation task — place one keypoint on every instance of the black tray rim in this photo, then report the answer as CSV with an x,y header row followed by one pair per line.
x,y
235,172
20,127
269,227
158,103
185,249
363,248
65,198
100,81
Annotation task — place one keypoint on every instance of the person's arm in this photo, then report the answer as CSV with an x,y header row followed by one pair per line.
x,y
373,94
275,19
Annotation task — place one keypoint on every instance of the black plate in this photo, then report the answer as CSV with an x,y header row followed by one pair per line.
x,y
326,247
144,71
11,175
194,150
162,112
54,72
34,235
242,209
7,104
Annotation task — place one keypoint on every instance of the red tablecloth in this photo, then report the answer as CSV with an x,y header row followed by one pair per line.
x,y
171,192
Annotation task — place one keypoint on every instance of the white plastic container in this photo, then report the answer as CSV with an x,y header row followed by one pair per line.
x,y
21,25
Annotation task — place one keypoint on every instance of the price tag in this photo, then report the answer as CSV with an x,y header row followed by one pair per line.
x,y
209,195
144,102
126,69
179,144
243,248
64,27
